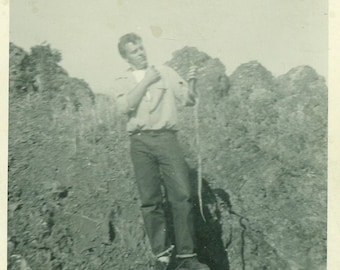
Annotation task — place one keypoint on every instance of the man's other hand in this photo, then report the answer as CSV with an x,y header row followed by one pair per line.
x,y
192,78
192,74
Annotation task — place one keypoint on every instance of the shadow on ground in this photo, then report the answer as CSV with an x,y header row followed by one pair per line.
x,y
210,246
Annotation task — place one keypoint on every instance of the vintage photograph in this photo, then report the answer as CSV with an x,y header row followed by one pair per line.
x,y
167,135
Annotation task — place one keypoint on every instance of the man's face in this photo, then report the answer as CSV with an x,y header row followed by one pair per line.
x,y
135,55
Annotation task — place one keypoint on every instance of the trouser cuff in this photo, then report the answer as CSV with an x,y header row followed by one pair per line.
x,y
184,256
166,252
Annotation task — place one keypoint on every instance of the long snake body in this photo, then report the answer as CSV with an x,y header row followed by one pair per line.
x,y
199,158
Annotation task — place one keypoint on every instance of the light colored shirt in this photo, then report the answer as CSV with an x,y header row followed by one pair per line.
x,y
157,109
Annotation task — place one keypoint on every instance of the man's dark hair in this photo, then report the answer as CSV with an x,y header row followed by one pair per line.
x,y
130,37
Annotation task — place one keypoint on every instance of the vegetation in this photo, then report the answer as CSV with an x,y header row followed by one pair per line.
x,y
73,203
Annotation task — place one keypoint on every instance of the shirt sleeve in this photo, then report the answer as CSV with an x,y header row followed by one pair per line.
x,y
120,94
180,89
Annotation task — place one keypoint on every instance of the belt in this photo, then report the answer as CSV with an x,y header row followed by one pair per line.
x,y
151,132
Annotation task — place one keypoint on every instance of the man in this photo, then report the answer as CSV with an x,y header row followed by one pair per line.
x,y
149,97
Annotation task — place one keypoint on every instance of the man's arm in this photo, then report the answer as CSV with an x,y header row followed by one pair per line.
x,y
135,96
129,102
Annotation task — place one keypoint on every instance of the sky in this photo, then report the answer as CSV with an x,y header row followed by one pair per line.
x,y
279,34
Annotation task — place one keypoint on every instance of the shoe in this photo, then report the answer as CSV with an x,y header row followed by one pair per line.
x,y
160,265
191,264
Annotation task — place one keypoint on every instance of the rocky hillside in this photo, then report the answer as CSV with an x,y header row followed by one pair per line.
x,y
72,199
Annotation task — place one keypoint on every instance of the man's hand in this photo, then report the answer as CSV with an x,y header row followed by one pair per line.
x,y
192,74
152,76
192,78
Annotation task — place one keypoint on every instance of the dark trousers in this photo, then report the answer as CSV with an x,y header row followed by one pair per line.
x,y
159,161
